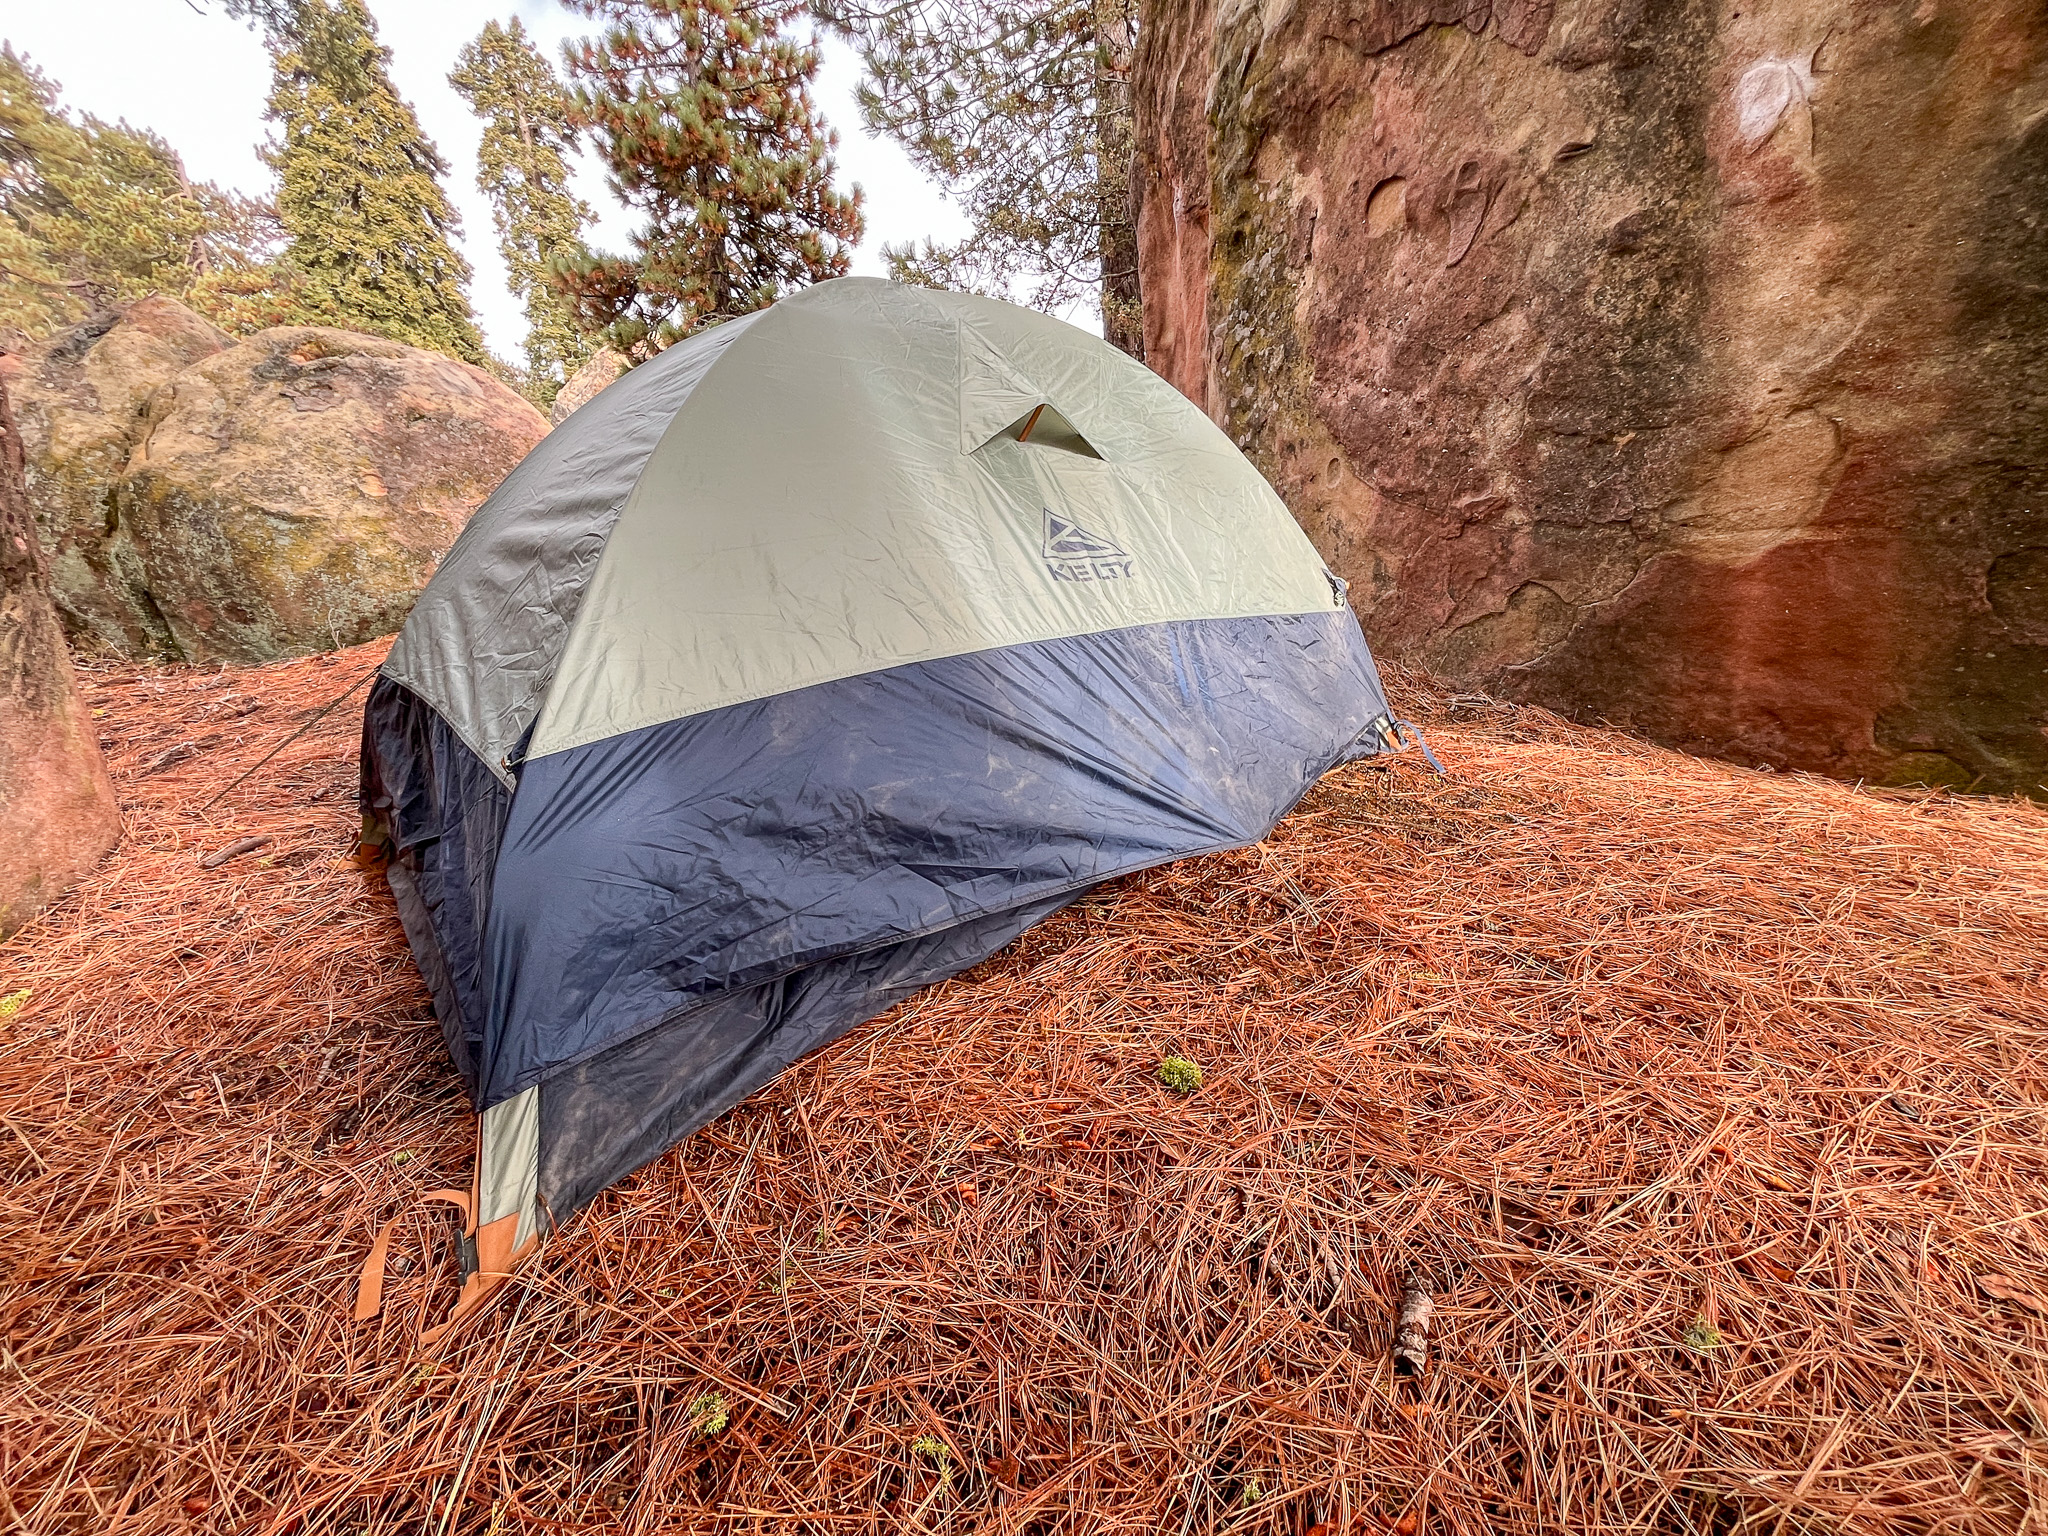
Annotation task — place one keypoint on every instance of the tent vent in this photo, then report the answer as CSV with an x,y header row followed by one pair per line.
x,y
1044,427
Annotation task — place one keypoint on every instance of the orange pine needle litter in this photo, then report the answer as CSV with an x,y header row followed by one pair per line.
x,y
1708,1102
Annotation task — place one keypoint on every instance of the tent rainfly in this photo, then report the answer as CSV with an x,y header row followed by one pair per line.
x,y
811,663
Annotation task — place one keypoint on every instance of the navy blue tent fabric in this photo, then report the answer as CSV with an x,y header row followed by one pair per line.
x,y
444,813
606,1116
641,873
651,926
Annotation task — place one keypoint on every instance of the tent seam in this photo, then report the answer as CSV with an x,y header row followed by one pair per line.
x,y
611,732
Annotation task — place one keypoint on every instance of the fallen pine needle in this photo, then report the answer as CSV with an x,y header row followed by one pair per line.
x,y
1710,1102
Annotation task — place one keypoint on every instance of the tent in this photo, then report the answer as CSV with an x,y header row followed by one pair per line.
x,y
811,663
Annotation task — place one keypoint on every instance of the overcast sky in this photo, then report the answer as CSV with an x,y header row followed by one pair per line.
x,y
199,79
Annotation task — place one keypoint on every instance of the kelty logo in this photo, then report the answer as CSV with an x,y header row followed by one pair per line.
x,y
1072,553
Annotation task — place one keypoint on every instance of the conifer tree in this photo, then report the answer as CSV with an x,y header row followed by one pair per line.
x,y
35,140
702,110
92,213
242,280
370,228
522,166
1021,110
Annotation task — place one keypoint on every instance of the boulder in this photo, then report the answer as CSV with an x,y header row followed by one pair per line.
x,y
586,383
78,399
57,811
1682,366
294,492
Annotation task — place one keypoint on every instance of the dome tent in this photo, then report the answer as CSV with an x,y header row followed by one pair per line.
x,y
810,663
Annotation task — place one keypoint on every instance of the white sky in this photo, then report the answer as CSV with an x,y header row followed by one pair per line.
x,y
199,79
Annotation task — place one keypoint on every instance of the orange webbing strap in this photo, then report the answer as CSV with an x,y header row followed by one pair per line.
x,y
495,1261
370,1288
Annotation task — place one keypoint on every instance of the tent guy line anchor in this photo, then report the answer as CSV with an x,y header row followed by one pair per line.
x,y
304,726
1394,734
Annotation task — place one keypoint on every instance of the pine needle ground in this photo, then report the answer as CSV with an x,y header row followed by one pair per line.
x,y
1710,1103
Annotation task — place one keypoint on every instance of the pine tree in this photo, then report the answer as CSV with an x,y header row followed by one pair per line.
x,y
1022,112
522,166
371,230
92,213
702,110
242,280
35,139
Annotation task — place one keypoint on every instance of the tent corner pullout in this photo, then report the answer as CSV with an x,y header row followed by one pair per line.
x,y
811,663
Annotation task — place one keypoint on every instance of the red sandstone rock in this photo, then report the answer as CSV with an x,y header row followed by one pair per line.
x,y
57,812
1683,366
586,384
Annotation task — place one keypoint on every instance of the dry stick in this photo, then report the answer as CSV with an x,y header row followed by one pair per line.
x,y
1411,1328
234,850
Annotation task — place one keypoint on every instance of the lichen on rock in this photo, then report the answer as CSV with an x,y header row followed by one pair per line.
x,y
79,397
295,492
205,500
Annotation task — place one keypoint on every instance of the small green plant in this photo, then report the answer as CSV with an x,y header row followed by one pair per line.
x,y
932,1449
708,1414
1180,1074
1702,1336
12,1003
1254,1490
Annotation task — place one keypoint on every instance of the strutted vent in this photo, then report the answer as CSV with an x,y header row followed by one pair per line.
x,y
1000,399
1044,427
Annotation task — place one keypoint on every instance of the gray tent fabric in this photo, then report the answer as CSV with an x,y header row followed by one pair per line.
x,y
812,662
482,642
826,461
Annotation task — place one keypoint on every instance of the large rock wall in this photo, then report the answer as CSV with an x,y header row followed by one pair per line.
x,y
1676,363
57,810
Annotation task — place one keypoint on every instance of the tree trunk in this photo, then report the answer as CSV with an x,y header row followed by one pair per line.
x,y
1122,314
57,810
